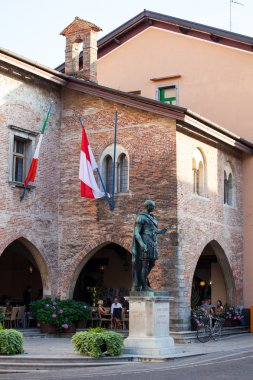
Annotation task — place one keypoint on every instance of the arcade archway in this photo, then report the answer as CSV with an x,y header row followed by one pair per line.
x,y
18,269
106,274
213,278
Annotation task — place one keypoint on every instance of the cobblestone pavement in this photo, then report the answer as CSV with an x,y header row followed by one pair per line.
x,y
62,347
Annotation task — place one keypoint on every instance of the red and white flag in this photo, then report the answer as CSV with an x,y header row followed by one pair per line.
x,y
89,187
34,164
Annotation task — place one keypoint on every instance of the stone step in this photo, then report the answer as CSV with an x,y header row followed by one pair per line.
x,y
60,359
190,336
11,366
35,333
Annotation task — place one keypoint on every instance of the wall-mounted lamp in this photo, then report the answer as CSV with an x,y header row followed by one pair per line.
x,y
202,283
30,269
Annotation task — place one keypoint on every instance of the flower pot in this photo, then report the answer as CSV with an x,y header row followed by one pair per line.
x,y
69,330
81,324
232,323
47,329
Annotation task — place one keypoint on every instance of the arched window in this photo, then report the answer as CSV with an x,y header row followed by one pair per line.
x,y
228,185
122,173
121,169
108,173
199,172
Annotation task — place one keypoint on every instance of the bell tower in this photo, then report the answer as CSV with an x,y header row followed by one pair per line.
x,y
81,35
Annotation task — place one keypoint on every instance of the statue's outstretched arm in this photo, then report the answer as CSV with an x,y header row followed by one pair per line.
x,y
164,230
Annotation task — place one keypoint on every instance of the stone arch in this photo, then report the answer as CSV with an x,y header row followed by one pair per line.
x,y
84,256
225,267
37,256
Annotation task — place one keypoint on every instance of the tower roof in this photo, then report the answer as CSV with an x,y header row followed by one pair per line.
x,y
79,25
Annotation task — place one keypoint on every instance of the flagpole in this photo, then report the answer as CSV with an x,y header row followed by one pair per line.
x,y
114,157
23,194
42,131
99,175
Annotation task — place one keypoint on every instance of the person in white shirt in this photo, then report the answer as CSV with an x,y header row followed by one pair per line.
x,y
116,310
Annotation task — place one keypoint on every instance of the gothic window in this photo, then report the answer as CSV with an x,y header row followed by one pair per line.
x,y
199,172
228,185
121,169
108,174
122,173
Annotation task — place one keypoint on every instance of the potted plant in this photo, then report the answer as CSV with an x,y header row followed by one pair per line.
x,y
198,315
55,315
233,316
98,342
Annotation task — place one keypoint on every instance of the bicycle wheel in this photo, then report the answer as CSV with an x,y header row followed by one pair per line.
x,y
204,333
217,329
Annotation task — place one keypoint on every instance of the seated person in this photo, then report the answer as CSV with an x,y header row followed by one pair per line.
x,y
116,310
125,304
8,308
219,307
101,308
206,304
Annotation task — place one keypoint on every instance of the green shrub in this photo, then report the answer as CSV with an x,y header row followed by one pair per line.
x,y
1,315
98,342
11,342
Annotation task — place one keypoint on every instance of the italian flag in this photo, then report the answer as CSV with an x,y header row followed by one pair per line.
x,y
89,187
34,164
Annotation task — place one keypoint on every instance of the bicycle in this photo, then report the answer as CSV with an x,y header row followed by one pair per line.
x,y
207,329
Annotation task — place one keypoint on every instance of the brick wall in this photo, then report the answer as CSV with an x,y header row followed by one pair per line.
x,y
24,103
85,224
63,231
202,220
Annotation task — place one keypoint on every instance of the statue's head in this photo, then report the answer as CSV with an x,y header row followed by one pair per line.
x,y
150,205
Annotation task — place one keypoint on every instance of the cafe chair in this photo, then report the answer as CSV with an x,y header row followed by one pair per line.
x,y
117,322
94,317
105,319
11,319
20,316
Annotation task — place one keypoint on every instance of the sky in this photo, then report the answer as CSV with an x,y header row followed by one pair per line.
x,y
31,28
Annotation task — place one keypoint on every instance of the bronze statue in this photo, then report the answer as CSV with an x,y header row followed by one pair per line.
x,y
144,248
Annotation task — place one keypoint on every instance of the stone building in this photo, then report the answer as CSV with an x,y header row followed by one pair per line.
x,y
70,246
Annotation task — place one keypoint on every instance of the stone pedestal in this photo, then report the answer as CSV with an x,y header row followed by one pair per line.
x,y
149,324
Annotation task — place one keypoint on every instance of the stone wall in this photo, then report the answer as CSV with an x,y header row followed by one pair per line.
x,y
24,103
205,219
